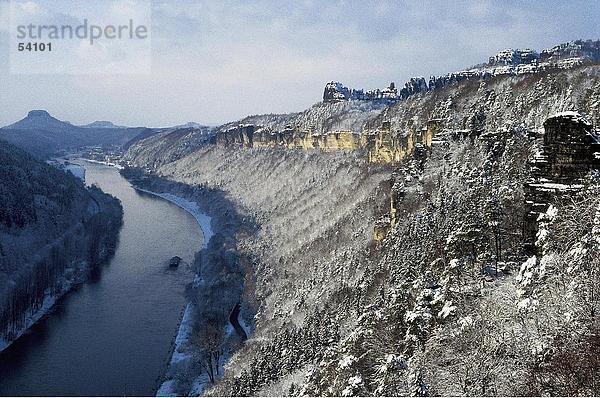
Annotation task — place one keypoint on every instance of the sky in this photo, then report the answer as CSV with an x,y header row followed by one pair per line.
x,y
218,61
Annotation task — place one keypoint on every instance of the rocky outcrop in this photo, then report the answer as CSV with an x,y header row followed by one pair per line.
x,y
382,145
462,110
251,136
585,50
514,57
506,62
336,92
388,132
387,145
568,150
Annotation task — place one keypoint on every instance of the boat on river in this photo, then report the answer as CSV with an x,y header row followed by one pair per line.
x,y
175,261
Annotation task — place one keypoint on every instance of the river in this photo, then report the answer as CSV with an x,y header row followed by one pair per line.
x,y
113,334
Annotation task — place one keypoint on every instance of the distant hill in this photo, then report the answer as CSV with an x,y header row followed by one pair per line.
x,y
103,124
192,125
41,120
43,135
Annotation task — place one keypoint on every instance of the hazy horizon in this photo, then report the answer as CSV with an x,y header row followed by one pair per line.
x,y
213,63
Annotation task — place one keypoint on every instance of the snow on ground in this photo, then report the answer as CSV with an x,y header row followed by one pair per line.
x,y
179,356
115,165
183,335
49,301
192,208
198,386
180,360
32,318
77,170
64,164
167,389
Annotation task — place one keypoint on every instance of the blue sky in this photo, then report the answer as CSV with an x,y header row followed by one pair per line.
x,y
215,61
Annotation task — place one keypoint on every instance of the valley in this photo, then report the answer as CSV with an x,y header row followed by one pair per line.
x,y
374,264
435,238
119,326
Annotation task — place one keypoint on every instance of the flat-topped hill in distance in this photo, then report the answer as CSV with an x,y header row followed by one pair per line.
x,y
103,124
43,135
40,119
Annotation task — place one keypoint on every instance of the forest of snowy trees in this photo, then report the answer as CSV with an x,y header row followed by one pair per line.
x,y
458,299
451,304
53,231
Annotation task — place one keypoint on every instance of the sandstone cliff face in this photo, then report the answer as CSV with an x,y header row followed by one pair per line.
x,y
336,92
515,89
585,49
570,147
514,57
462,109
310,128
251,136
319,118
381,145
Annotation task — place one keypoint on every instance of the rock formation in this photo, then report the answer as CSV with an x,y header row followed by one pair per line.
x,y
383,145
568,151
570,146
336,91
514,57
506,62
586,50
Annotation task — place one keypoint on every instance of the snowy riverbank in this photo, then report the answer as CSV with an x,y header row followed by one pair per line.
x,y
181,356
115,165
32,318
76,275
189,206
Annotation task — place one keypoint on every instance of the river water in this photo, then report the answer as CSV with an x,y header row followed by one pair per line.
x,y
113,334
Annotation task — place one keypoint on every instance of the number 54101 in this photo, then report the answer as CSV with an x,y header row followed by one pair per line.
x,y
34,47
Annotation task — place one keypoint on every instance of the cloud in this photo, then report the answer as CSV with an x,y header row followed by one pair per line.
x,y
217,61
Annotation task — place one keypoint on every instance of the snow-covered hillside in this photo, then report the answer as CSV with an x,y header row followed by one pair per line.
x,y
451,301
53,230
